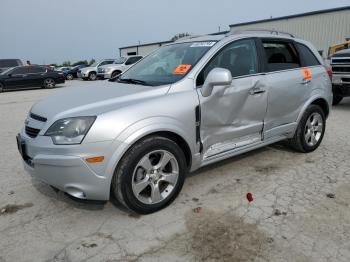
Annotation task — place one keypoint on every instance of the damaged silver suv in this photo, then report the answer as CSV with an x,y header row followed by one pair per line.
x,y
188,104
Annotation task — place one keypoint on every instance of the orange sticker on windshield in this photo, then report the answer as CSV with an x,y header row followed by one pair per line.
x,y
307,74
181,69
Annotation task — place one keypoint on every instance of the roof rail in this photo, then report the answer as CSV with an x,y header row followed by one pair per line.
x,y
268,31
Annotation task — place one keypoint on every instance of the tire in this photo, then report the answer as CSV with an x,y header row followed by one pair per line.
x,y
160,183
92,76
337,99
49,83
115,74
70,77
1,88
310,131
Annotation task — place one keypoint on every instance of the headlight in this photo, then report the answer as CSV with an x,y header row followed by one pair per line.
x,y
70,131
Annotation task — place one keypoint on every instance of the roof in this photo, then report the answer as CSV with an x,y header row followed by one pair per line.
x,y
293,16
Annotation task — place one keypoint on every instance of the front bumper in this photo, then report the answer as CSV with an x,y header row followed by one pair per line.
x,y
341,84
65,168
82,75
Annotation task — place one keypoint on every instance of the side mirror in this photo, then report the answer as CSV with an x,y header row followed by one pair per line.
x,y
216,77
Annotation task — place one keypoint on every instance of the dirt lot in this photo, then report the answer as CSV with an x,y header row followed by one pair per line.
x,y
300,210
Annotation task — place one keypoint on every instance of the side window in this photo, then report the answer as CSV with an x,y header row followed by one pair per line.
x,y
280,55
132,60
240,57
20,71
307,57
106,63
36,70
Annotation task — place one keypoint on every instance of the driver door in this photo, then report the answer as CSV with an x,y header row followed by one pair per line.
x,y
233,117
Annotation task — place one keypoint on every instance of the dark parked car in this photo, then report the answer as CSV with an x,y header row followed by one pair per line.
x,y
72,73
7,63
29,76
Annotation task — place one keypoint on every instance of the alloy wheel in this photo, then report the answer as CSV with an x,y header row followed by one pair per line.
x,y
155,177
49,83
313,129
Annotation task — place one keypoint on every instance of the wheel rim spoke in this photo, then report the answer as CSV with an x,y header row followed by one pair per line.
x,y
140,186
313,129
166,157
146,163
171,178
155,193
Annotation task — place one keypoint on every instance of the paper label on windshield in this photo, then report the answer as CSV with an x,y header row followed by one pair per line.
x,y
307,74
181,69
203,44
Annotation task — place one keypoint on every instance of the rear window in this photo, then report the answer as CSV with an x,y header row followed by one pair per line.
x,y
9,63
280,55
307,56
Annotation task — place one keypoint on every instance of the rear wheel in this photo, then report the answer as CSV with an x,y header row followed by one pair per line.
x,y
150,175
337,99
92,76
49,83
310,131
70,77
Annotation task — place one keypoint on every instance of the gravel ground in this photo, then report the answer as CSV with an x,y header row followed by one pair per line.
x,y
300,210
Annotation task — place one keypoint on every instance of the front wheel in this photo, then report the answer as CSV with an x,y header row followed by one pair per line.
x,y
150,175
92,76
70,77
49,83
115,74
337,99
310,131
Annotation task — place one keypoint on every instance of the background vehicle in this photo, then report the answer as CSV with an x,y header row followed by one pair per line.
x,y
340,63
8,63
187,105
90,72
29,76
335,48
63,68
118,67
73,72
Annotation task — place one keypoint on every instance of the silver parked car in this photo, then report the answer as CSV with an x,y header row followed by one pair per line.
x,y
189,104
119,66
90,72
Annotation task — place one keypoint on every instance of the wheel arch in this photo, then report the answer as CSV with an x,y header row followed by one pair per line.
x,y
320,101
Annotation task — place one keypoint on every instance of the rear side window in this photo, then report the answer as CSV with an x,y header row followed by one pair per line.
x,y
36,70
280,55
307,56
20,71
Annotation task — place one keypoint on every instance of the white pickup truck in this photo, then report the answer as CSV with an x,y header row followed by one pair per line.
x,y
119,66
340,63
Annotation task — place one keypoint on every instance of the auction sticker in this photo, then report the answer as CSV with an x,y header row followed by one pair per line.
x,y
181,69
203,44
307,74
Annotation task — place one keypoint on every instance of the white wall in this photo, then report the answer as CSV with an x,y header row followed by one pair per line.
x,y
142,50
323,30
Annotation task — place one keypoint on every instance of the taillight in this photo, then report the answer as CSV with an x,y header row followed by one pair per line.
x,y
329,72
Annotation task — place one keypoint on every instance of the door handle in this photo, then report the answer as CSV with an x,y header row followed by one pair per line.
x,y
256,90
305,81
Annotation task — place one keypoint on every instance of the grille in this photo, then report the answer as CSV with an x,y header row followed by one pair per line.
x,y
341,69
32,132
340,61
39,118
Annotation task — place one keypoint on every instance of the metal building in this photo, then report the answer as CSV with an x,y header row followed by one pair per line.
x,y
322,28
142,49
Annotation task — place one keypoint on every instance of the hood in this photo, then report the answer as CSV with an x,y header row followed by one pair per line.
x,y
94,99
87,68
342,53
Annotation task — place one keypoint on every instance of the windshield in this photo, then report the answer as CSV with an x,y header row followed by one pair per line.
x,y
6,71
119,60
94,64
167,65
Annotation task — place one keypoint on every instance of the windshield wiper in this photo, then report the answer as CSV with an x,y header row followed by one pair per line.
x,y
133,81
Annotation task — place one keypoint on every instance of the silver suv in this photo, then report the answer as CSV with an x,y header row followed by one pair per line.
x,y
119,66
90,72
187,105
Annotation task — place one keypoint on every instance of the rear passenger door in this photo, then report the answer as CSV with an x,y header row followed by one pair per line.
x,y
35,76
287,89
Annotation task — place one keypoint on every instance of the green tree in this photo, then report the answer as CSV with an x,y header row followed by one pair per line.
x,y
178,36
81,62
66,63
92,61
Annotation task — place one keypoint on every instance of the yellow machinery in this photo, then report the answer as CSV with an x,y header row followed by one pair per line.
x,y
338,47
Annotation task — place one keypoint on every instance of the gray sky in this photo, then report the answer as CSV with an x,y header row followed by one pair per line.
x,y
53,31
